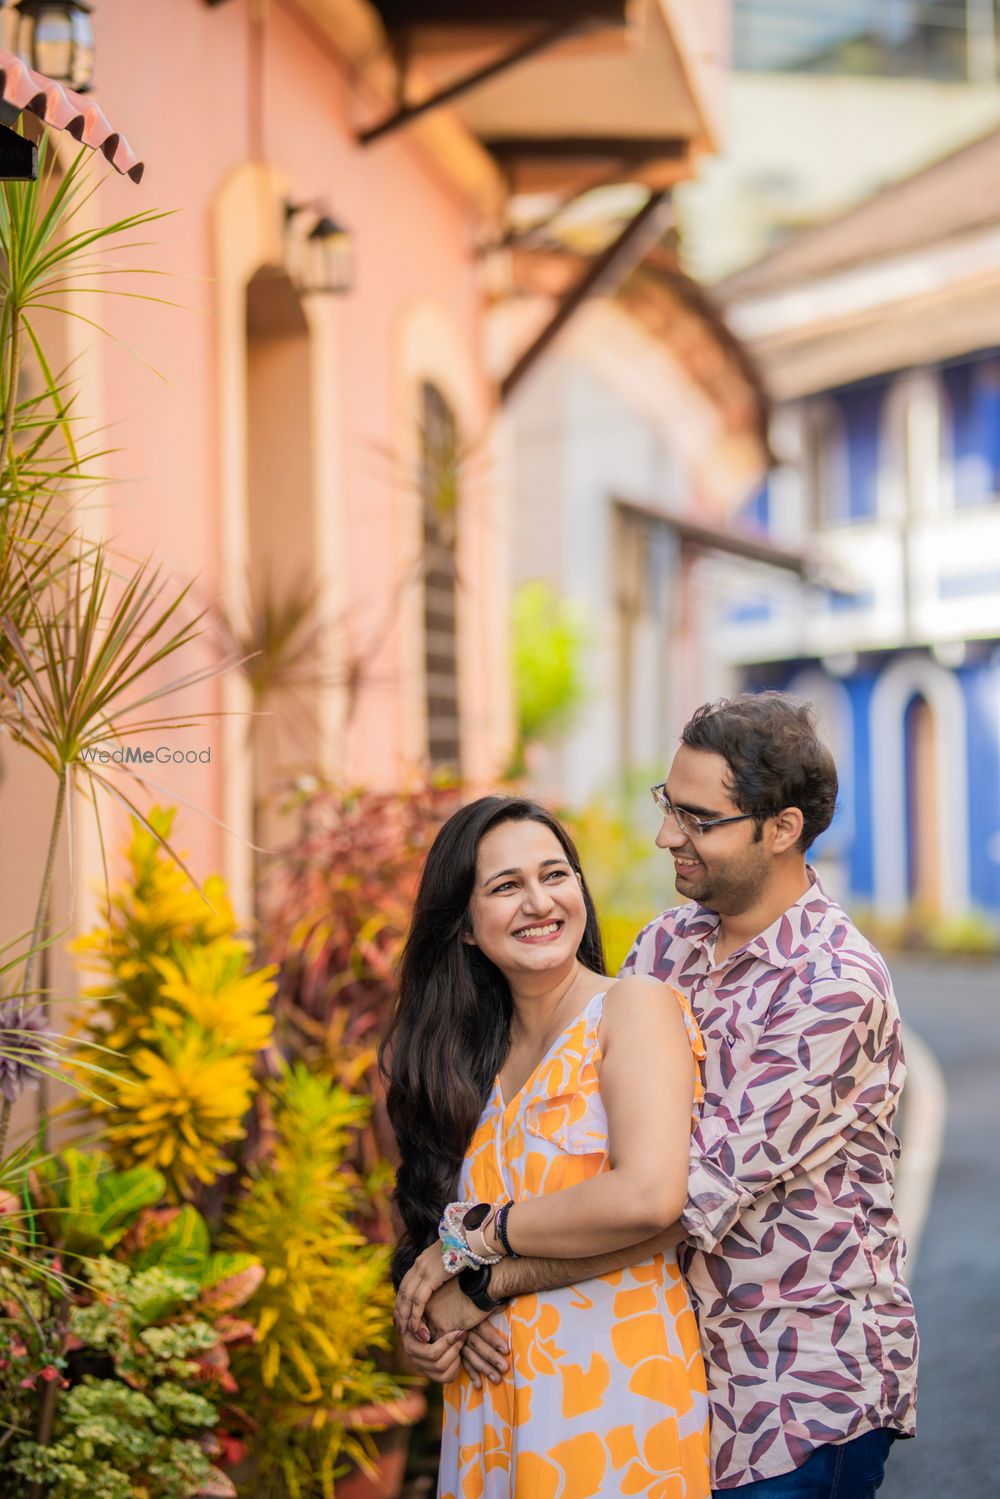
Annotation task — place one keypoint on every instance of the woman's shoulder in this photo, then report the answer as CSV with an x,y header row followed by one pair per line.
x,y
637,989
628,1000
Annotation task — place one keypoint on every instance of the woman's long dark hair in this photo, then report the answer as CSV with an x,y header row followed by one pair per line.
x,y
450,1032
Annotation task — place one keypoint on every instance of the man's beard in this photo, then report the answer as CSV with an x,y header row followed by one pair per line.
x,y
730,891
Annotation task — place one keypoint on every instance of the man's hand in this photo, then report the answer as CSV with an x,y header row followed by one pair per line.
x,y
440,1360
485,1353
449,1310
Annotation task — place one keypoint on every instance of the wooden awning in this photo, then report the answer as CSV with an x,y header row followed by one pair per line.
x,y
562,94
23,89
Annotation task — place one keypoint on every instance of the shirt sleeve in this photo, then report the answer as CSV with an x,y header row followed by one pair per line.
x,y
828,1065
642,954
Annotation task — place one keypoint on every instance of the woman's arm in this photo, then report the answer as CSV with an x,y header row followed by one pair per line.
x,y
647,1086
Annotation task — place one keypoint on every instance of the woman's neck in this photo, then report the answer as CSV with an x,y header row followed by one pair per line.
x,y
540,1001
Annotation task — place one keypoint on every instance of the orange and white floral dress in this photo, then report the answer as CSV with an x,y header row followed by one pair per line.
x,y
605,1390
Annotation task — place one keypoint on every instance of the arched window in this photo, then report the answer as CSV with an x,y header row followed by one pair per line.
x,y
439,486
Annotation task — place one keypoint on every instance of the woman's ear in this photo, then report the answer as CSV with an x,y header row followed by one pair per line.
x,y
467,934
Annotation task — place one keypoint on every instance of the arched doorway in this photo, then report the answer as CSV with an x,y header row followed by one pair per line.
x,y
281,546
919,781
922,773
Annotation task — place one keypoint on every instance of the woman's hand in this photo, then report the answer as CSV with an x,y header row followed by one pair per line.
x,y
418,1285
440,1360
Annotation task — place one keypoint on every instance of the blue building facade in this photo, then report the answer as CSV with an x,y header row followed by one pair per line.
x,y
894,482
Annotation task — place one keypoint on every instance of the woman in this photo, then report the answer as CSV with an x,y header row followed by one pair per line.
x,y
524,1080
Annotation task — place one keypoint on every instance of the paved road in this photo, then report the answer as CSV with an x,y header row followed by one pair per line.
x,y
956,1277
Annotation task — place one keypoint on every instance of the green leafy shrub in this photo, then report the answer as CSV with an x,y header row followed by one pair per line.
x,y
130,1380
325,1303
87,1205
549,640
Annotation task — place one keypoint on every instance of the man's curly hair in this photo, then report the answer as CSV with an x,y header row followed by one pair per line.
x,y
775,756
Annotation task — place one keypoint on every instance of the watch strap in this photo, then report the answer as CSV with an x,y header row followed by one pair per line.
x,y
474,1282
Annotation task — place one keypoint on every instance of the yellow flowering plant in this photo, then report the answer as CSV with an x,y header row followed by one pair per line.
x,y
186,1013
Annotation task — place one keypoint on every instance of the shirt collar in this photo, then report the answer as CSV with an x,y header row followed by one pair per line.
x,y
785,938
774,945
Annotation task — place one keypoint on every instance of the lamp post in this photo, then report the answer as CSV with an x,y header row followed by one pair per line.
x,y
326,255
56,37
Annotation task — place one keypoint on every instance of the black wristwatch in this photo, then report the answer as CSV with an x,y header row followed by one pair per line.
x,y
474,1282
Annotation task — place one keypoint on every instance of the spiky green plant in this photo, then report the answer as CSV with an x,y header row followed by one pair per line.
x,y
84,637
325,1303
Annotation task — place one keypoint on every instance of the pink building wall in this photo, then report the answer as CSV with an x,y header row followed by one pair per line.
x,y
177,77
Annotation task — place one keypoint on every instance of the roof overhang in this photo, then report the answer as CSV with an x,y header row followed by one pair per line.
x,y
21,88
889,314
561,93
726,541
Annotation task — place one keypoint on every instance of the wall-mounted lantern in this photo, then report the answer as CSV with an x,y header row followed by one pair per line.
x,y
56,37
324,259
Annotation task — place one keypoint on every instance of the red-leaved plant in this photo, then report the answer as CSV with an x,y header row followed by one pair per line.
x,y
335,911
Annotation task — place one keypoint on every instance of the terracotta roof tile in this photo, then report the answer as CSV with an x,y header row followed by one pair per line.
x,y
63,109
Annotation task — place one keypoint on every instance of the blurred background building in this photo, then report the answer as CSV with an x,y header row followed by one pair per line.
x,y
347,183
878,333
480,299
830,100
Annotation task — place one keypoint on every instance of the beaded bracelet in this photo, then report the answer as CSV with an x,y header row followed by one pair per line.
x,y
455,1251
501,1229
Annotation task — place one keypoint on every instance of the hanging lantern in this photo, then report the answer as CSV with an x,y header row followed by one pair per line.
x,y
329,257
56,37
323,260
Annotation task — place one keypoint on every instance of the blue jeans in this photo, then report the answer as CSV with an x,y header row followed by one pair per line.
x,y
841,1470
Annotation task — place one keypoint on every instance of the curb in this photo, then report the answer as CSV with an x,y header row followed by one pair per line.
x,y
926,1108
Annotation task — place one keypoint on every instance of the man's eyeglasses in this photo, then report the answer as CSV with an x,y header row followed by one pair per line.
x,y
687,823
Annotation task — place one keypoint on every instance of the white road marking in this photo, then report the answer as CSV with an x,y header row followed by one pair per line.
x,y
924,1114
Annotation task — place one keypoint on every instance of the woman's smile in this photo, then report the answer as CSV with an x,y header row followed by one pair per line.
x,y
540,932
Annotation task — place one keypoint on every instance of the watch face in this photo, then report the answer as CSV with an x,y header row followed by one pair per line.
x,y
476,1216
474,1283
474,1279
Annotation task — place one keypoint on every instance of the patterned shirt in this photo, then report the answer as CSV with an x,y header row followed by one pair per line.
x,y
795,1252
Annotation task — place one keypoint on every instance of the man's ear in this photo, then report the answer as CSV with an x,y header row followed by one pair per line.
x,y
787,827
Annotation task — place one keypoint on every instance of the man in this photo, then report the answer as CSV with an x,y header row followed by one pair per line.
x,y
790,1243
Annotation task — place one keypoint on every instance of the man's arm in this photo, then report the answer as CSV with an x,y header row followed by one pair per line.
x,y
826,1068
449,1311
